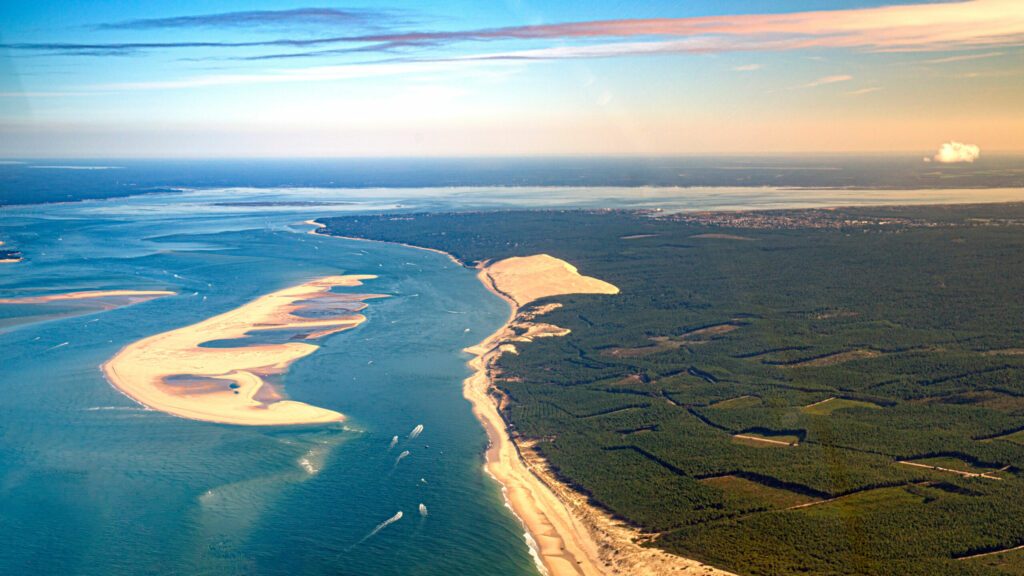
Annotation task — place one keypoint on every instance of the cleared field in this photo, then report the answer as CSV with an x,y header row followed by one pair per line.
x,y
833,359
1007,562
738,402
956,466
765,441
862,504
757,495
827,407
1016,437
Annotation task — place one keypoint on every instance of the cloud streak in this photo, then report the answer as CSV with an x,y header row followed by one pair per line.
x,y
825,80
937,26
253,19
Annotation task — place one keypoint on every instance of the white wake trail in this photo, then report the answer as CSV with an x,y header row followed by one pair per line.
x,y
400,456
381,526
416,432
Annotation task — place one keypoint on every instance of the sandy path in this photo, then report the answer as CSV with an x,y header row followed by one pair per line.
x,y
963,473
231,380
765,440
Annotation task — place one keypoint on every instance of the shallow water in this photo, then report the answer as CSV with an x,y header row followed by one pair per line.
x,y
91,483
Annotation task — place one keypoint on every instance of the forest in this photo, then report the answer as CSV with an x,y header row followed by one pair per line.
x,y
842,394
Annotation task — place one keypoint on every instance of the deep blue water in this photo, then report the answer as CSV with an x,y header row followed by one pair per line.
x,y
90,483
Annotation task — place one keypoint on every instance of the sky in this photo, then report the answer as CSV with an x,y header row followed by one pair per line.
x,y
509,78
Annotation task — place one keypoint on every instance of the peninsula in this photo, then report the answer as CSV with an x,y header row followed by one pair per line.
x,y
185,372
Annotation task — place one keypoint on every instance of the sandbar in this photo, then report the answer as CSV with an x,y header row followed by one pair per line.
x,y
141,295
175,373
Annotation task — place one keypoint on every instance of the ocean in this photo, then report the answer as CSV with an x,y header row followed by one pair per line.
x,y
93,484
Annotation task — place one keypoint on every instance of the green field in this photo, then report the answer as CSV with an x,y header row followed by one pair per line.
x,y
901,318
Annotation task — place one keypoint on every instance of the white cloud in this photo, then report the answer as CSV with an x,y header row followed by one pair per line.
x,y
862,91
747,68
952,152
828,80
963,58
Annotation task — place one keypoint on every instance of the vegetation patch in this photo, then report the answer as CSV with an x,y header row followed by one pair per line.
x,y
828,406
830,359
766,441
737,402
756,495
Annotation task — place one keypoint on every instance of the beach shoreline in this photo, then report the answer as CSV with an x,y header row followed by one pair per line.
x,y
566,533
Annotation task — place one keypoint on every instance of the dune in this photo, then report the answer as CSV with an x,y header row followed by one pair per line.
x,y
173,372
528,278
571,537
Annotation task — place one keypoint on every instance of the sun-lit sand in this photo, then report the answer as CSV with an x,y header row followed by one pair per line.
x,y
174,373
88,295
528,278
571,536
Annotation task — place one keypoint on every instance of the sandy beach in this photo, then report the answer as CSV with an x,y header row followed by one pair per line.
x,y
569,535
173,372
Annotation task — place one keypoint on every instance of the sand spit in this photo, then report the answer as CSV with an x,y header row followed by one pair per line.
x,y
134,295
572,537
174,373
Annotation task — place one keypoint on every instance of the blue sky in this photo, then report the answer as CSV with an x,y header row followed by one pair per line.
x,y
457,78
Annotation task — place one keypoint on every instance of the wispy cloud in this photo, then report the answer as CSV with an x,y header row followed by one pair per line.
x,y
936,26
747,68
254,19
963,58
311,74
825,80
863,91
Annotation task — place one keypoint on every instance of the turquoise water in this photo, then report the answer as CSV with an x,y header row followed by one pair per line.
x,y
93,484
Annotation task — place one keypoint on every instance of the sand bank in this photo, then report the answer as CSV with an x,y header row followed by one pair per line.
x,y
572,537
174,373
134,295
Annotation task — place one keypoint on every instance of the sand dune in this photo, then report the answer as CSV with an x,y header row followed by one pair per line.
x,y
572,537
528,278
174,373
